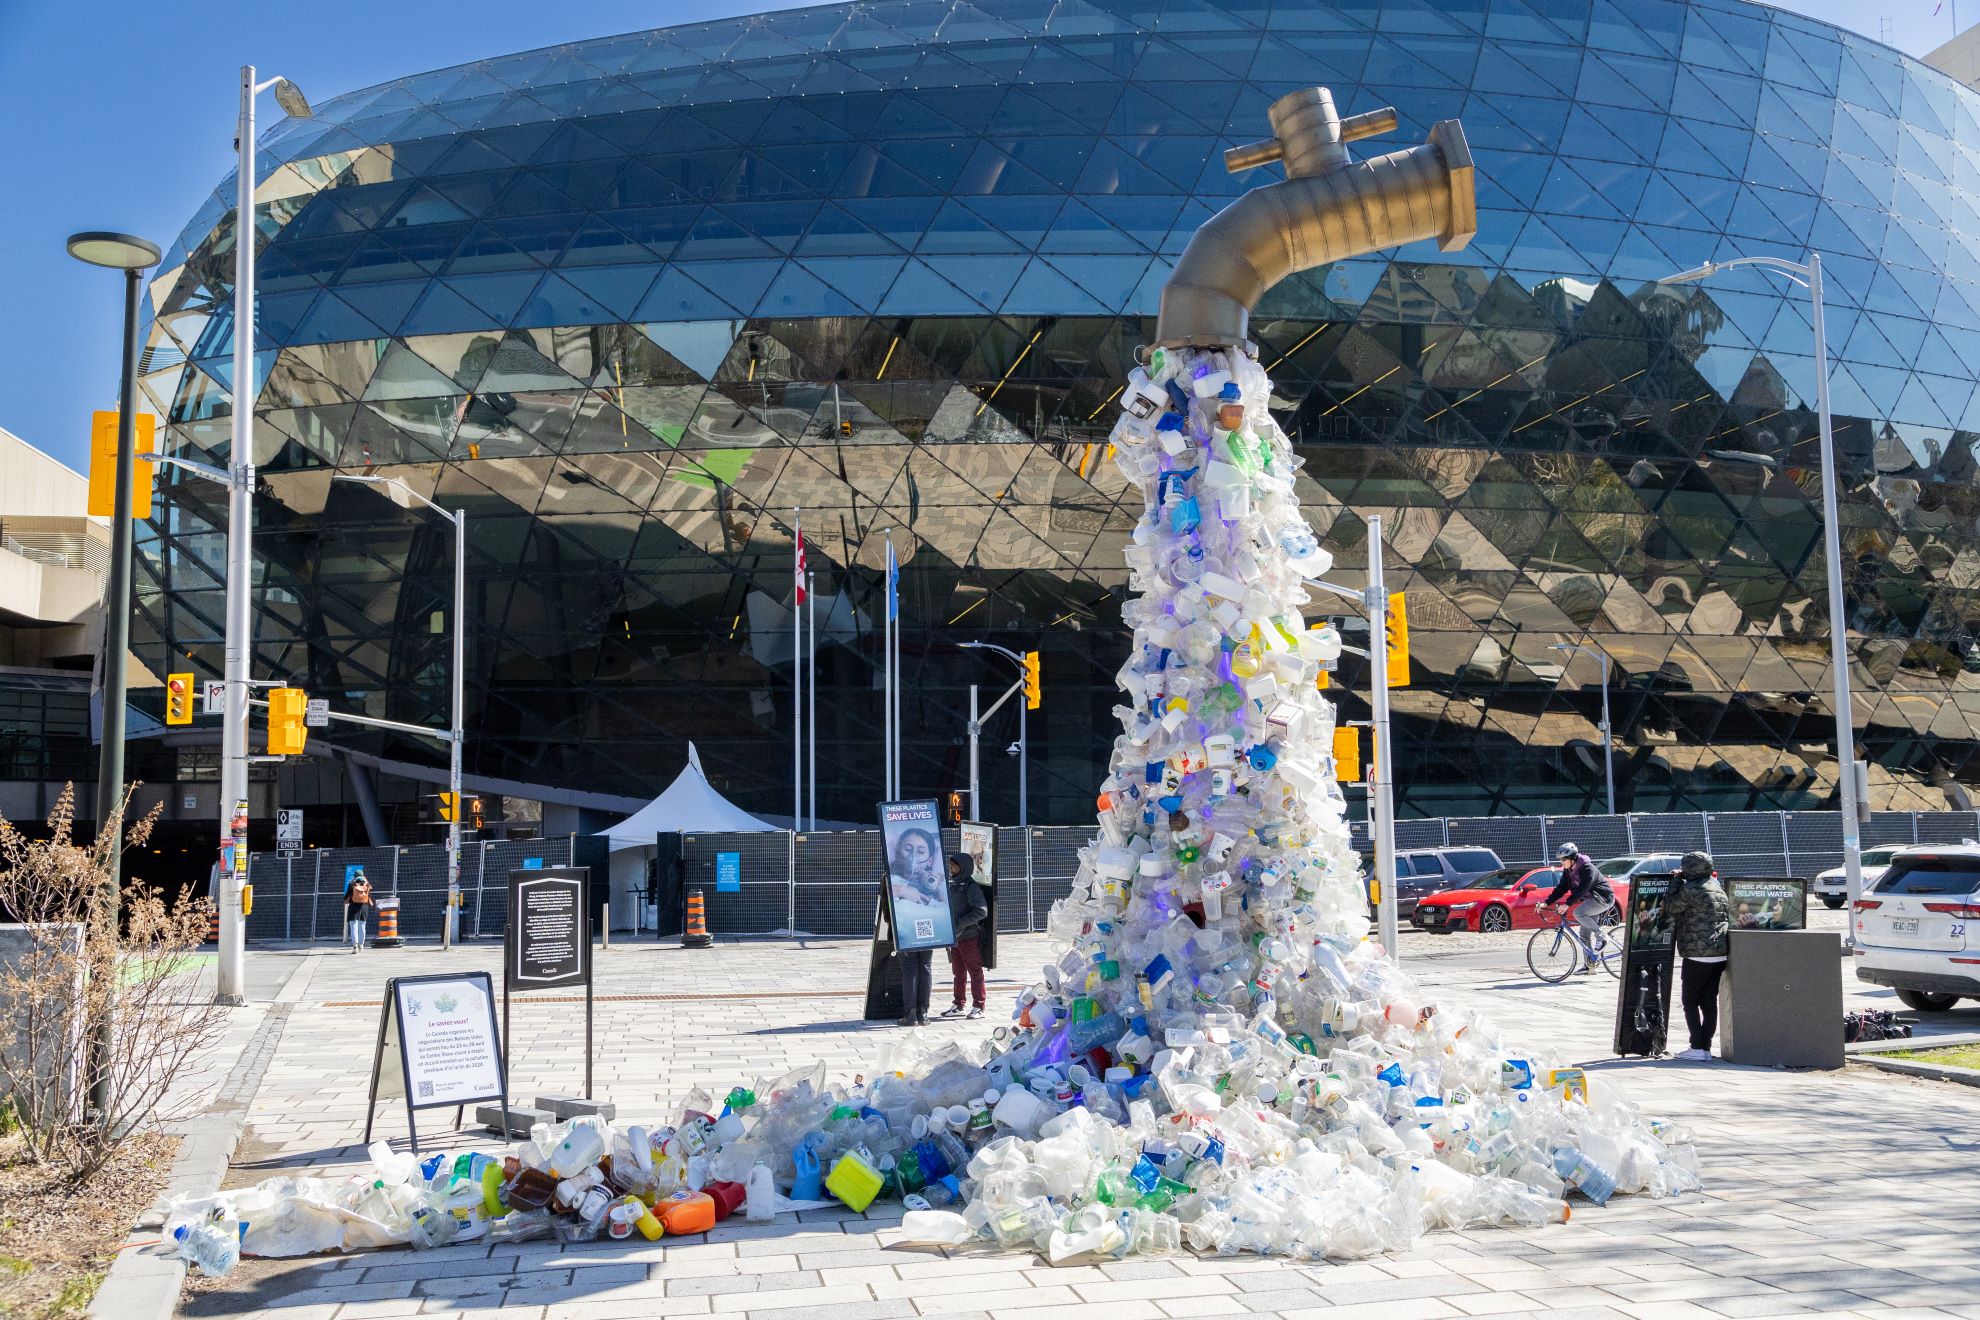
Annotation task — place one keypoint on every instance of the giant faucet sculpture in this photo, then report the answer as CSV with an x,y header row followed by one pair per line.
x,y
1330,207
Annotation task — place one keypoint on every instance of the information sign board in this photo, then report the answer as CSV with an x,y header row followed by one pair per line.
x,y
437,1045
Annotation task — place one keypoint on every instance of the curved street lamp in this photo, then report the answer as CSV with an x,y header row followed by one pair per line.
x,y
133,256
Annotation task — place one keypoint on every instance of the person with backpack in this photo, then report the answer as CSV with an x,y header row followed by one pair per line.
x,y
1587,892
967,910
357,907
1700,915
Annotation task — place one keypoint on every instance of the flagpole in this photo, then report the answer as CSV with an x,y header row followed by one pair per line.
x,y
886,667
811,694
796,671
894,691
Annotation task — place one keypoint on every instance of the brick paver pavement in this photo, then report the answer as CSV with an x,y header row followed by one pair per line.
x,y
1852,1192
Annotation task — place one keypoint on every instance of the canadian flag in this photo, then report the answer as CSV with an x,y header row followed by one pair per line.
x,y
798,568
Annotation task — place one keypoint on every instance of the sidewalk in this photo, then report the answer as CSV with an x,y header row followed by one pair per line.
x,y
1847,1192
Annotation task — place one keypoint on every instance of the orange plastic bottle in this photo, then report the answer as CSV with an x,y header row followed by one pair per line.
x,y
687,1212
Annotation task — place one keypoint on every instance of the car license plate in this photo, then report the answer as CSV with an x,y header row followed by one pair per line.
x,y
1904,925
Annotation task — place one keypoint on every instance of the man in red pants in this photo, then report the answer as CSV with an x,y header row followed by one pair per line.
x,y
968,908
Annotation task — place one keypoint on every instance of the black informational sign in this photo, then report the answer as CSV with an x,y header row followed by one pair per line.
x,y
547,942
437,1046
883,971
1643,1001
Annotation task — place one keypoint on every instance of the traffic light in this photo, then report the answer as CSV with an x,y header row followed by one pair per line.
x,y
474,812
1347,754
450,807
1032,695
287,708
178,698
1398,641
103,465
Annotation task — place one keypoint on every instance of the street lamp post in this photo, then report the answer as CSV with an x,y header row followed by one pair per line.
x,y
132,256
1024,747
1809,276
405,496
1608,740
232,987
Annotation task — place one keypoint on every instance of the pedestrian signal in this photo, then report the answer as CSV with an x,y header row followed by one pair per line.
x,y
178,698
287,709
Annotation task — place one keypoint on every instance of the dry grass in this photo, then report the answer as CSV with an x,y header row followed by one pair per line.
x,y
57,1241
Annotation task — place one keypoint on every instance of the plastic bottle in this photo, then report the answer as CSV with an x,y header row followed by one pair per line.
x,y
581,1148
760,1207
432,1227
1582,1174
213,1247
935,1227
520,1226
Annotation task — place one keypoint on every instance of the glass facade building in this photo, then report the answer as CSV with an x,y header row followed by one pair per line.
x,y
636,302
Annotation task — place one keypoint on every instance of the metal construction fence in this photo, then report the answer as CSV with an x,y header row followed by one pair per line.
x,y
827,884
300,895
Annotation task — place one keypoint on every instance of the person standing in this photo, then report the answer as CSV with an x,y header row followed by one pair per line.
x,y
967,910
1587,892
357,907
917,986
1700,916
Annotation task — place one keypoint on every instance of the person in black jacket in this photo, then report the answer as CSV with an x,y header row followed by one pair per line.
x,y
1587,892
968,908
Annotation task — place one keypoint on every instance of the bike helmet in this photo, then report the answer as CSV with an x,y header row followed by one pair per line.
x,y
1566,851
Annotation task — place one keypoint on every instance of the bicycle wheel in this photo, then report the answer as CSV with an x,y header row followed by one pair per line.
x,y
1552,954
1610,954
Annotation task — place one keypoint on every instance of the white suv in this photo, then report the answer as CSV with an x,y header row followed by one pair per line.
x,y
1832,886
1911,927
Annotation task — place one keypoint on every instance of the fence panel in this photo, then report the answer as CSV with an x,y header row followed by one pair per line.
x,y
1678,832
761,904
1517,839
485,880
1947,826
1596,836
1054,866
1013,898
1747,843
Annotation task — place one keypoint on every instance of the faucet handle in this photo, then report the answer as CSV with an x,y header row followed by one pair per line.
x,y
1239,159
1369,123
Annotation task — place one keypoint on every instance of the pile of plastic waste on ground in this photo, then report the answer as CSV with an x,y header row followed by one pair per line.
x,y
1219,1059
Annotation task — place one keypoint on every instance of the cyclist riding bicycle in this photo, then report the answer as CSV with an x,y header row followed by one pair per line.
x,y
1586,891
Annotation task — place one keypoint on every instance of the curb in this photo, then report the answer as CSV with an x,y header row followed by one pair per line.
x,y
144,1282
1947,1041
1935,1072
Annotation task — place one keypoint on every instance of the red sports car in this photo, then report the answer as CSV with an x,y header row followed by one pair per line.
x,y
1508,899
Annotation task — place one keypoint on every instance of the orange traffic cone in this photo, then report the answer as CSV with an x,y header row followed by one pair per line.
x,y
696,935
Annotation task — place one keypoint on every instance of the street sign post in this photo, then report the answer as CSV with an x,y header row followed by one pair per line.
x,y
547,940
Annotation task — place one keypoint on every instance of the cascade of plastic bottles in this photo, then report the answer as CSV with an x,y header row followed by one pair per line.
x,y
1217,1057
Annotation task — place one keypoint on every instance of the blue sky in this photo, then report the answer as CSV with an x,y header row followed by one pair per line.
x,y
121,117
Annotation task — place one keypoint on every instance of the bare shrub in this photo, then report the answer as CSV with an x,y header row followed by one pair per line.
x,y
83,969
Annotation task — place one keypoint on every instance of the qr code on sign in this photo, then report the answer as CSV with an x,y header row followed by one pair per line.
x,y
924,929
426,1090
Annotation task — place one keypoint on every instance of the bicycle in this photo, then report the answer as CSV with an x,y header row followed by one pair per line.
x,y
1554,952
